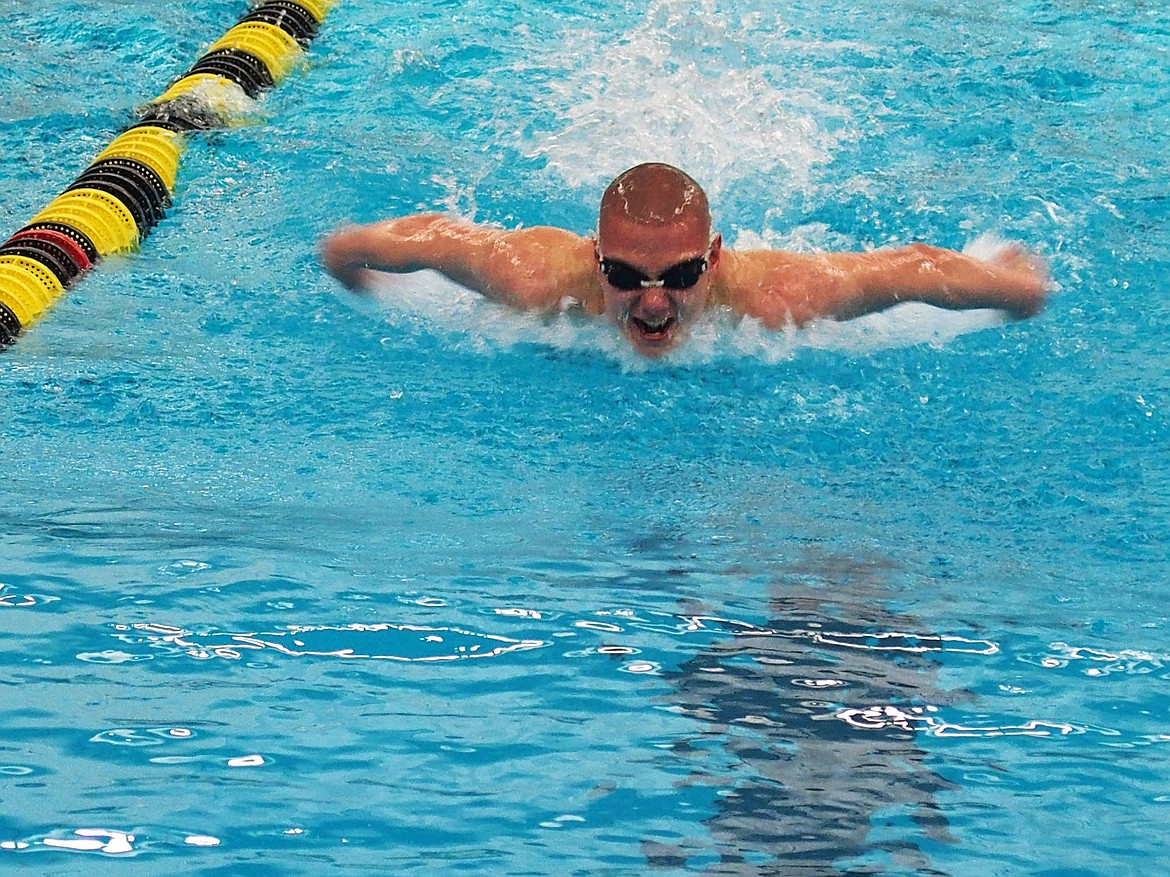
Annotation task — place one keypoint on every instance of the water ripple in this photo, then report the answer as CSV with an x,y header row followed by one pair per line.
x,y
875,641
93,840
12,600
927,720
1102,662
136,737
384,641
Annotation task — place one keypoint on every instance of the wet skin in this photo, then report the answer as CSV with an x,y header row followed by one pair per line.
x,y
656,319
539,268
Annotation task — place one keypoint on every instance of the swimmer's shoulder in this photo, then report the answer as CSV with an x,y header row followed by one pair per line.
x,y
777,287
759,284
552,265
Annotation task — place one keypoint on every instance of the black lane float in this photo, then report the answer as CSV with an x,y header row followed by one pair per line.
x,y
128,186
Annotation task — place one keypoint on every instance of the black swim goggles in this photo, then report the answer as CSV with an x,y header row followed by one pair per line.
x,y
625,277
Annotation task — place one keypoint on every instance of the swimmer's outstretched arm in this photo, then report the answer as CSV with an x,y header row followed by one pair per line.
x,y
518,268
847,285
1013,281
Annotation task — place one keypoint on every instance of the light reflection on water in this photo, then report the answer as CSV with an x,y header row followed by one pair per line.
x,y
110,842
412,642
439,643
780,707
10,599
94,840
927,721
386,642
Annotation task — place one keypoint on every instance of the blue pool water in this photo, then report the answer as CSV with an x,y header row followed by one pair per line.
x,y
307,585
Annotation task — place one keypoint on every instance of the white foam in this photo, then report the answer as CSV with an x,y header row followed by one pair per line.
x,y
987,247
94,840
427,302
716,96
221,99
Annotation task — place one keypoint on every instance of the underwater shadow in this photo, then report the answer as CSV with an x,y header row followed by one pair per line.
x,y
804,791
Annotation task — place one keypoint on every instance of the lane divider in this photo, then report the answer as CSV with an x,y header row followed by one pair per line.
x,y
128,187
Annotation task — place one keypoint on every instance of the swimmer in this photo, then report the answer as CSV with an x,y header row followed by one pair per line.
x,y
654,266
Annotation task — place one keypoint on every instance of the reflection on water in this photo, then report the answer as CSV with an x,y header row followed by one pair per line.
x,y
383,641
136,737
806,735
1101,662
923,720
811,729
94,840
802,789
12,599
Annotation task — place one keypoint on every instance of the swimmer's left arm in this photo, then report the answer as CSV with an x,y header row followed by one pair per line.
x,y
1014,281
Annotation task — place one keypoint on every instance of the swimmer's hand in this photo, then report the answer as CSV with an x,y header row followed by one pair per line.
x,y
344,260
1025,281
1008,278
991,274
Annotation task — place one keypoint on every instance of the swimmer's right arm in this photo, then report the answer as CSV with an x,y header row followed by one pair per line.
x,y
405,244
505,266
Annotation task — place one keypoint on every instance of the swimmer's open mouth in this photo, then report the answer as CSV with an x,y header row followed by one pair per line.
x,y
653,331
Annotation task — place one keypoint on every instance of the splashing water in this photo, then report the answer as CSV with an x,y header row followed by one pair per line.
x,y
693,88
428,301
217,102
730,99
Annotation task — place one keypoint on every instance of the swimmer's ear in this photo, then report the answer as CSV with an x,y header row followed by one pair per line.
x,y
716,249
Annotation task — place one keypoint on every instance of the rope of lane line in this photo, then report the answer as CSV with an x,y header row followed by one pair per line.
x,y
128,187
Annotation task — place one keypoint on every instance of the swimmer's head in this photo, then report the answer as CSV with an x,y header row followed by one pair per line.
x,y
655,254
654,195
